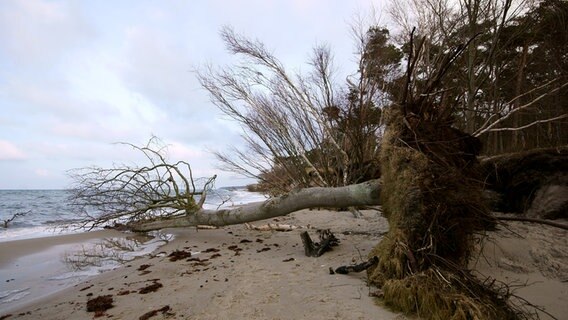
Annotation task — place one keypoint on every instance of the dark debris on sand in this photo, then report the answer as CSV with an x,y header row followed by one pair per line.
x,y
152,313
179,255
144,267
99,305
150,288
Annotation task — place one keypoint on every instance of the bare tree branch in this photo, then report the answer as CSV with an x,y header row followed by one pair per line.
x,y
161,195
123,193
530,124
489,127
534,220
5,222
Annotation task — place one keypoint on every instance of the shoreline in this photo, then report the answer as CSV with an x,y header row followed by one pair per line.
x,y
247,274
13,249
34,268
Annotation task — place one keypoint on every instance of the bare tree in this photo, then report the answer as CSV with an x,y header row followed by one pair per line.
x,y
281,113
307,127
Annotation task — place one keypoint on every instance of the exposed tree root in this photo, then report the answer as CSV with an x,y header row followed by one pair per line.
x,y
433,200
356,267
443,294
314,249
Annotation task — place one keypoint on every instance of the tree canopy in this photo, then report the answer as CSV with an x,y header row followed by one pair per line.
x,y
509,88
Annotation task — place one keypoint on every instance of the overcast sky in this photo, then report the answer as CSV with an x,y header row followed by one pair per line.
x,y
78,76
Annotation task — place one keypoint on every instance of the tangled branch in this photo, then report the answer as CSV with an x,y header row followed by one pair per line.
x,y
123,194
5,222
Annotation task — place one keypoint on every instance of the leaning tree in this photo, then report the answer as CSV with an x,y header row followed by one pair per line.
x,y
304,129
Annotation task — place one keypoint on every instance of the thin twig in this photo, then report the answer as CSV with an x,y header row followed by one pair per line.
x,y
530,124
534,220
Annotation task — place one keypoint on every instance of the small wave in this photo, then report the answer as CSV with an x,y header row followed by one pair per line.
x,y
48,210
61,221
33,232
13,295
79,275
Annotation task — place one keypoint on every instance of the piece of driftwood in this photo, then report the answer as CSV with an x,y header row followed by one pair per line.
x,y
274,227
356,267
315,249
206,227
14,216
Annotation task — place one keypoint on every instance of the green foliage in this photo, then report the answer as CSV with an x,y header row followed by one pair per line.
x,y
380,56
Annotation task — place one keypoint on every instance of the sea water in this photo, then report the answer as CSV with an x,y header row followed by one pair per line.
x,y
45,212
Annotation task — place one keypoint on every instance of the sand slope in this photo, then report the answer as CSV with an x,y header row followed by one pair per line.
x,y
533,260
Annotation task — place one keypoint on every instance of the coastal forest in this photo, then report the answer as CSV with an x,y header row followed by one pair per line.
x,y
457,111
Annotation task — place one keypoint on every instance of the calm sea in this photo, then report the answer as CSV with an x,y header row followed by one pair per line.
x,y
46,210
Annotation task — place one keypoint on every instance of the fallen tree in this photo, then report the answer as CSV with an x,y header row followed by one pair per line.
x,y
431,193
164,195
362,194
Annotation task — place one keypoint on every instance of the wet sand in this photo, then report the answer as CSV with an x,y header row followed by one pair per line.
x,y
34,268
11,250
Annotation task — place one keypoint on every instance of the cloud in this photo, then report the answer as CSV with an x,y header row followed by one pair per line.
x,y
157,64
37,31
178,151
44,173
40,95
9,151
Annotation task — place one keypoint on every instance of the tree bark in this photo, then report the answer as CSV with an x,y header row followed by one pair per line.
x,y
362,194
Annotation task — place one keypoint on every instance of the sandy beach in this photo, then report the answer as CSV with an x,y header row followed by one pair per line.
x,y
238,273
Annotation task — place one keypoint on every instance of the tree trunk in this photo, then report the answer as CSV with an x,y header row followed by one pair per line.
x,y
362,194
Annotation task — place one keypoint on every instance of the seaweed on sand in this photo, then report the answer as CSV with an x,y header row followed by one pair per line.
x,y
100,304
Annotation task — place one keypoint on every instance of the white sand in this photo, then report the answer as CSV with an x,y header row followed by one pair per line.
x,y
271,278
